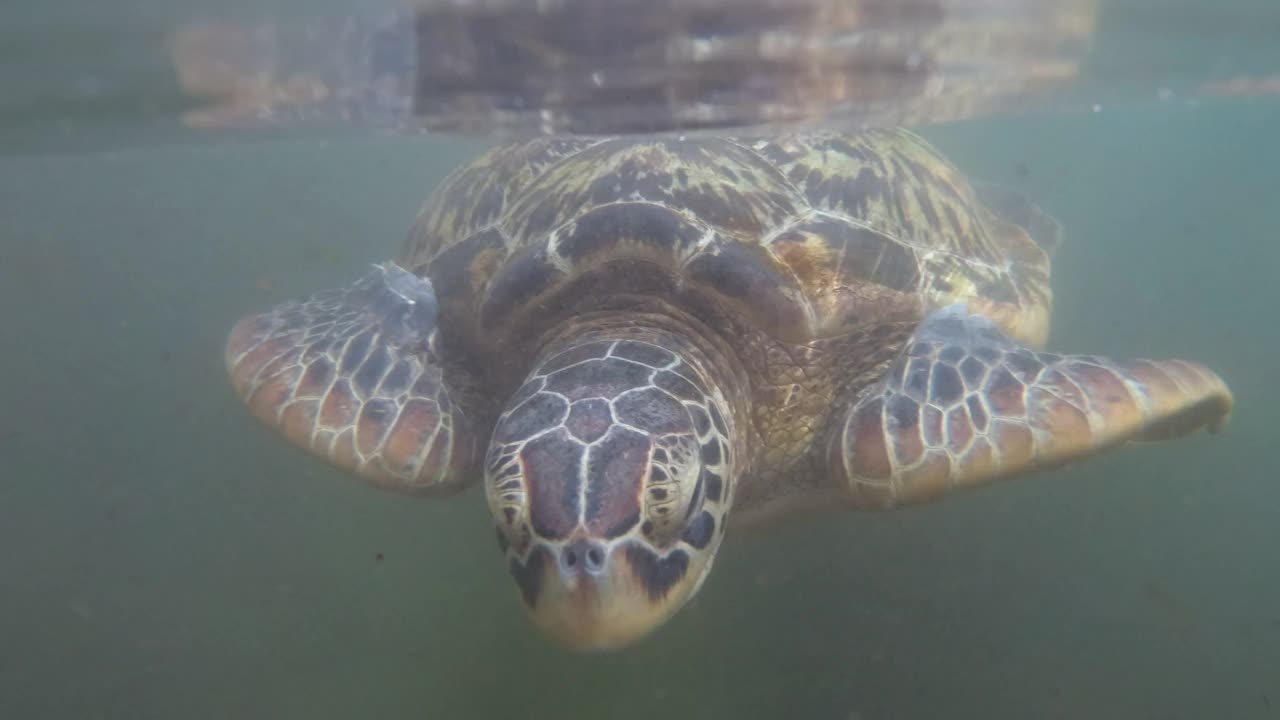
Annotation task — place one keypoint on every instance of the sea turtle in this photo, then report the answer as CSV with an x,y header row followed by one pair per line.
x,y
636,343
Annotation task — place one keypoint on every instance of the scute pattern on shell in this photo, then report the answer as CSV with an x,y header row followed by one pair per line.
x,y
806,235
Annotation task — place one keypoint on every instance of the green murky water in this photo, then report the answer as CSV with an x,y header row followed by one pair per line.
x,y
161,556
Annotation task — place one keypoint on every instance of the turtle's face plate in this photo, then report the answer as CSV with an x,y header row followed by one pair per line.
x,y
608,477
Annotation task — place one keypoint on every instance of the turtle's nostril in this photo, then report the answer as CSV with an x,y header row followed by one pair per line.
x,y
582,555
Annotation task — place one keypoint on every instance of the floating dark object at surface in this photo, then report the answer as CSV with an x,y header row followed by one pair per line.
x,y
622,66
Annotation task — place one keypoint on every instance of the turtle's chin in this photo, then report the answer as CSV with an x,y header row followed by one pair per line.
x,y
592,598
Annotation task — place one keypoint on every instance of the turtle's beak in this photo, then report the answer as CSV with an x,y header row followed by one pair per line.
x,y
594,597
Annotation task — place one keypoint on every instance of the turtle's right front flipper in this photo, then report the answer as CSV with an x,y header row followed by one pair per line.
x,y
966,405
352,375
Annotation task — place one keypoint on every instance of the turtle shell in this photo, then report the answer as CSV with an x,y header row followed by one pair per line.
x,y
805,236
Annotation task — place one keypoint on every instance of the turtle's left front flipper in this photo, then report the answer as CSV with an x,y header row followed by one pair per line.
x,y
966,405
353,375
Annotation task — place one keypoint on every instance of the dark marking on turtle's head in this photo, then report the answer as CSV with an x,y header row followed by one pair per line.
x,y
609,481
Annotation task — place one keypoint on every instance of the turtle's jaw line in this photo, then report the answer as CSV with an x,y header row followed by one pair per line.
x,y
609,607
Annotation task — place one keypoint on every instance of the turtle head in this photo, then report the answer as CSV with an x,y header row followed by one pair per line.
x,y
609,475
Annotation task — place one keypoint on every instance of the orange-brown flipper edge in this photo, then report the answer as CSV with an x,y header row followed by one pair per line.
x,y
352,376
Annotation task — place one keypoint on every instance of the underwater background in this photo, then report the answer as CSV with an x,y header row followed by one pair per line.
x,y
164,556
